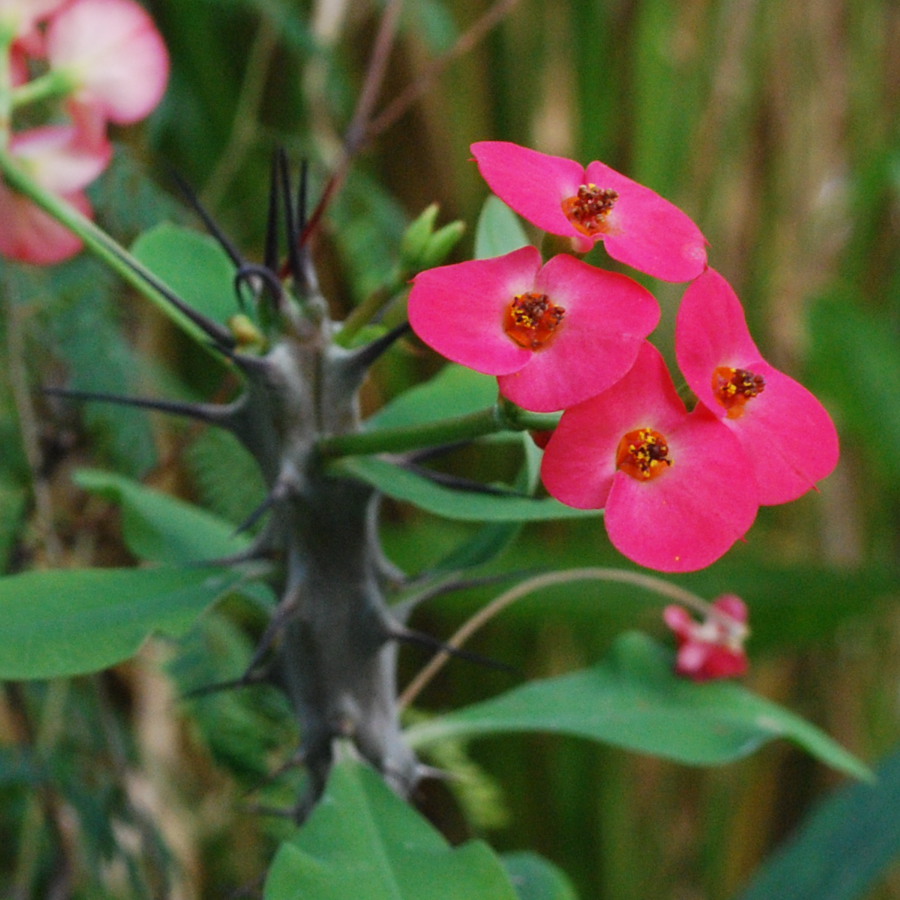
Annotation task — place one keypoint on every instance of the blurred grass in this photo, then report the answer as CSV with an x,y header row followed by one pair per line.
x,y
777,126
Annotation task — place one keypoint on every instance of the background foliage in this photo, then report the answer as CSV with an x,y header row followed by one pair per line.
x,y
775,125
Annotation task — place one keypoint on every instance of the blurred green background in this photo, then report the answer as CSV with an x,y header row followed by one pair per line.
x,y
775,125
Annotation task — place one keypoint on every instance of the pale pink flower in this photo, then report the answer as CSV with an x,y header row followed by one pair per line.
x,y
58,158
113,54
18,17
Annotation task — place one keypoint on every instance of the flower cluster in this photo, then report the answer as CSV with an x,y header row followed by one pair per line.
x,y
678,487
96,62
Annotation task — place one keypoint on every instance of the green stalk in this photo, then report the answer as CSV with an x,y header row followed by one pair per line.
x,y
497,418
5,88
56,83
98,242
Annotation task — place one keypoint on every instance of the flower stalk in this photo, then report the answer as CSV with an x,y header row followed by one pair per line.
x,y
498,418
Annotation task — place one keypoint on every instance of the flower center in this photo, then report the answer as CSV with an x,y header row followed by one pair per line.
x,y
643,454
532,320
588,209
734,387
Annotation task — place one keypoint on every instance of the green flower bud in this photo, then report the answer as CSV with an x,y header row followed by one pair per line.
x,y
440,244
416,238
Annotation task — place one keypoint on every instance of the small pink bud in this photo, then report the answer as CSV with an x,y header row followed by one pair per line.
x,y
713,648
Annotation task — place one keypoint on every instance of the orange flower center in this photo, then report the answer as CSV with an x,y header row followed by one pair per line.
x,y
589,208
643,454
734,387
532,320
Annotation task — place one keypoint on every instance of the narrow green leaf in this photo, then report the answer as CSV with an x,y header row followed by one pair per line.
x,y
193,265
162,528
535,878
452,503
454,391
498,231
68,622
363,841
842,848
634,700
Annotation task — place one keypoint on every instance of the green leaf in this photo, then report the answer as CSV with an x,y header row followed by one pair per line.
x,y
635,700
162,528
498,231
534,878
454,391
193,265
363,841
452,503
842,848
68,622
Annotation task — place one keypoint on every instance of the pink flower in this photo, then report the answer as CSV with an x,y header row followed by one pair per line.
x,y
637,226
60,159
113,54
787,434
554,334
713,648
18,17
676,487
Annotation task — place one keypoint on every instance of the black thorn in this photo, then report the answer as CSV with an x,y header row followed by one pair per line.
x,y
221,336
245,362
257,552
204,412
191,196
271,282
246,680
302,197
278,493
364,356
460,484
270,257
293,235
408,636
446,583
286,608
309,276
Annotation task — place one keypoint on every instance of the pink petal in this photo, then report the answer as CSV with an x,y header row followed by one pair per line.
x,y
732,605
711,331
534,184
459,310
60,158
18,66
720,662
686,518
692,658
114,53
679,620
648,232
787,434
608,316
20,16
692,514
579,463
29,234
